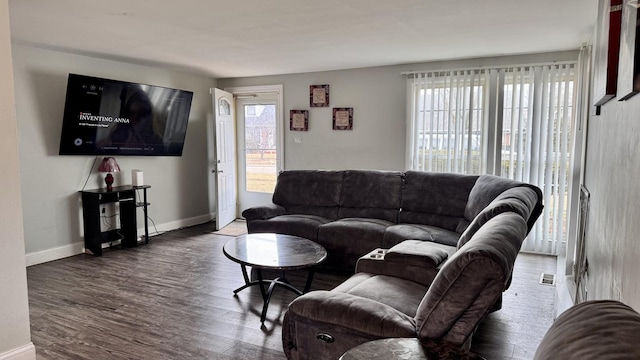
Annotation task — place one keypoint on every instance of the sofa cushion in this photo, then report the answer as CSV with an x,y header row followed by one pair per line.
x,y
471,281
593,330
313,192
402,295
437,199
371,194
398,233
418,253
351,238
305,226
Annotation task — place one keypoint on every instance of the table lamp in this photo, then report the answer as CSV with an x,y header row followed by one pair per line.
x,y
109,165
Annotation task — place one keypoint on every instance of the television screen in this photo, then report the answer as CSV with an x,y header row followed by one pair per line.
x,y
111,117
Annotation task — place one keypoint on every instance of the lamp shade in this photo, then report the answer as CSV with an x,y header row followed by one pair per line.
x,y
109,164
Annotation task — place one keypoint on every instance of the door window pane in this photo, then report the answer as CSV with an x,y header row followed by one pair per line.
x,y
260,147
224,108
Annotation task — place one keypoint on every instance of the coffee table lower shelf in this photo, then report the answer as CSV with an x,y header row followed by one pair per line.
x,y
266,295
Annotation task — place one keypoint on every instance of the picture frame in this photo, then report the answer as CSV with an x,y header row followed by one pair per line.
x,y
629,63
342,118
299,120
607,47
319,95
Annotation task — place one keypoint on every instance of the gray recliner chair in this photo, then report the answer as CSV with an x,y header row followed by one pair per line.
x,y
369,306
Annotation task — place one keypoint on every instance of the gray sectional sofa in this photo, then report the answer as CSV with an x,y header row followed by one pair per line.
x,y
432,253
352,212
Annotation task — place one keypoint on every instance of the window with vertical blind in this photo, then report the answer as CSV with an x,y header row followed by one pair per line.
x,y
447,121
515,122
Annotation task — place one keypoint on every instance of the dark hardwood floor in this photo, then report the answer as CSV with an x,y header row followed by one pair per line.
x,y
172,299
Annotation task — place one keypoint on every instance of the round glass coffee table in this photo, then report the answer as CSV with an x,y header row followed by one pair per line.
x,y
277,252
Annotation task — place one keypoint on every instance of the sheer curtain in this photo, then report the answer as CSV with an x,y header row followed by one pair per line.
x,y
515,122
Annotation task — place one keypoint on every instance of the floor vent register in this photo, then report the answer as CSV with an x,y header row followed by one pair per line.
x,y
548,279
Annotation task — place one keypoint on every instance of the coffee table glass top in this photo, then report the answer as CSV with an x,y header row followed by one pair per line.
x,y
274,251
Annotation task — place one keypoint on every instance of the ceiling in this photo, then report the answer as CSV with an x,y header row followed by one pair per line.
x,y
257,37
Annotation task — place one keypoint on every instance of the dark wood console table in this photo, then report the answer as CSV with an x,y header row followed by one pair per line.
x,y
125,196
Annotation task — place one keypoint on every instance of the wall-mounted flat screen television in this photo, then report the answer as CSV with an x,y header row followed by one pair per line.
x,y
112,117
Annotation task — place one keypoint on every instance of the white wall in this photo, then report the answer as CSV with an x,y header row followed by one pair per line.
x,y
378,97
50,183
377,138
612,171
15,338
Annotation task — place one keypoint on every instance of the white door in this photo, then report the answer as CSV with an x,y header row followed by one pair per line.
x,y
225,164
260,122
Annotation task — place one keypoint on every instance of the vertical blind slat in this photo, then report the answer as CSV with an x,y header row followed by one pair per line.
x,y
521,127
423,84
469,161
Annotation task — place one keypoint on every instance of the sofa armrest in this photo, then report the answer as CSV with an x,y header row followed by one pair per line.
x,y
595,329
418,253
413,260
263,212
362,315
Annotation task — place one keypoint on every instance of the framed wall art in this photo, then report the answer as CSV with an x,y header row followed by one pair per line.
x,y
607,47
299,120
342,118
629,65
319,95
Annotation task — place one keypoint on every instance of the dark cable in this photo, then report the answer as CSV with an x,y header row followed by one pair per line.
x,y
148,217
154,225
88,176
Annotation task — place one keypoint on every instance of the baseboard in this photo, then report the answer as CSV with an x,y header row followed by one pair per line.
x,y
564,288
26,352
62,252
173,225
56,253
564,300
